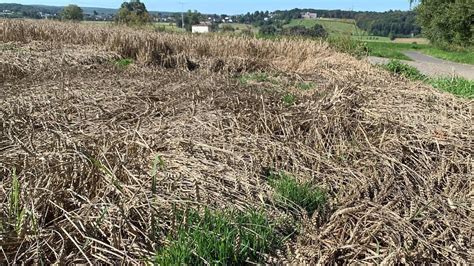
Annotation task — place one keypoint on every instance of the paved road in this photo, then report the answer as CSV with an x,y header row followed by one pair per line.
x,y
432,66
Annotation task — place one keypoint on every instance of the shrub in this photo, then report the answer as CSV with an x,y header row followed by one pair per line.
x,y
227,28
315,31
267,30
391,36
348,45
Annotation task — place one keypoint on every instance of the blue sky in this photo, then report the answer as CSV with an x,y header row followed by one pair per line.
x,y
236,6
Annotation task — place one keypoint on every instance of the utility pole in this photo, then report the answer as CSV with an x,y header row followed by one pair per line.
x,y
182,14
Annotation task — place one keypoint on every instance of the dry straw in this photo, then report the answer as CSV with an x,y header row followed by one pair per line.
x,y
81,137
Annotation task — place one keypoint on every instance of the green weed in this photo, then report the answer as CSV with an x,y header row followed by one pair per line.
x,y
397,67
345,44
124,63
16,218
305,86
289,99
219,238
304,195
17,213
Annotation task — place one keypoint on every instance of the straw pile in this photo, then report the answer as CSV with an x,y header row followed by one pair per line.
x,y
81,135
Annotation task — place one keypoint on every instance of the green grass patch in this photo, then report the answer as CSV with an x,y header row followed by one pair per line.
x,y
392,50
304,195
124,63
289,99
305,86
17,221
332,26
256,77
455,85
461,56
402,69
165,27
220,238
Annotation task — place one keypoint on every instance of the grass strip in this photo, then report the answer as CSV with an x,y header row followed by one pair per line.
x,y
456,85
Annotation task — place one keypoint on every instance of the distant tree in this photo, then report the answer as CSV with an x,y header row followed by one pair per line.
x,y
133,13
190,18
267,30
315,31
72,12
447,22
95,13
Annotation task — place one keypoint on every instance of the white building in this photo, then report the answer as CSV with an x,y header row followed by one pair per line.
x,y
309,15
201,28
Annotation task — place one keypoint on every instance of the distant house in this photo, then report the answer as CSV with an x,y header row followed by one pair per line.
x,y
6,12
201,28
309,15
45,15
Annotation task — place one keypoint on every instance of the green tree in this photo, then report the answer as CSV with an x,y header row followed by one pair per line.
x,y
299,30
267,30
190,18
133,13
72,12
447,22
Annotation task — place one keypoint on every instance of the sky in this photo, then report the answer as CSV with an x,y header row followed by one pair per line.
x,y
236,6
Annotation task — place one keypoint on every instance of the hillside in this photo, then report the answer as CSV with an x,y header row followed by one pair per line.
x,y
332,26
126,146
399,23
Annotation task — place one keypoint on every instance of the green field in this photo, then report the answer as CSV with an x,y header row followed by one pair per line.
x,y
333,26
167,26
241,26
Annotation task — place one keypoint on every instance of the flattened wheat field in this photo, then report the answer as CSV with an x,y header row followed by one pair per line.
x,y
125,146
